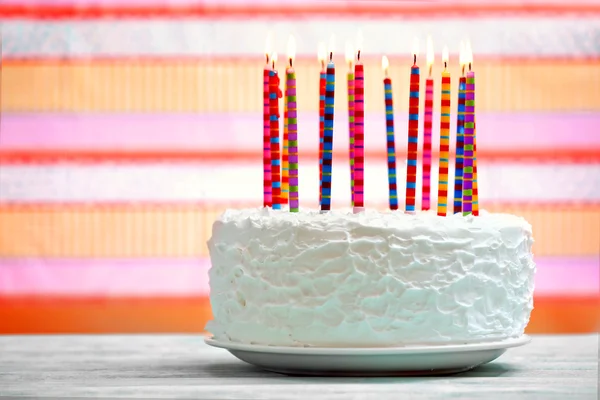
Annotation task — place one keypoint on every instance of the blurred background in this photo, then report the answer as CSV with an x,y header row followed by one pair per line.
x,y
127,127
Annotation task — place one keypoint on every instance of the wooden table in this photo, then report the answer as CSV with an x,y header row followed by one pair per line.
x,y
168,366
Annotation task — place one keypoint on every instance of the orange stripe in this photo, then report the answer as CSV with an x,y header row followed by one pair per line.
x,y
285,11
583,156
182,230
44,315
139,86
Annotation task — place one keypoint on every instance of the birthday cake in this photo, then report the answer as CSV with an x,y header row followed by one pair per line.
x,y
372,279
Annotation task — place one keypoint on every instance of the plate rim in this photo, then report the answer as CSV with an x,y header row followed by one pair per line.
x,y
349,351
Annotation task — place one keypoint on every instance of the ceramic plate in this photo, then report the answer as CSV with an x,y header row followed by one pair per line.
x,y
409,360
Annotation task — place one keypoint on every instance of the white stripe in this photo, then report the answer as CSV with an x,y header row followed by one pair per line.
x,y
164,183
521,36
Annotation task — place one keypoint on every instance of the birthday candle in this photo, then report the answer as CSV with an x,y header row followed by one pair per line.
x,y
460,135
413,133
274,95
359,135
267,195
427,127
292,127
391,143
328,136
444,139
285,166
349,59
469,137
322,54
475,186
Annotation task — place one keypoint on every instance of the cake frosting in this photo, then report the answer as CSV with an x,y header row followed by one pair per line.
x,y
371,279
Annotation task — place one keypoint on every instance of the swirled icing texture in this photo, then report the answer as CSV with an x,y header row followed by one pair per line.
x,y
370,279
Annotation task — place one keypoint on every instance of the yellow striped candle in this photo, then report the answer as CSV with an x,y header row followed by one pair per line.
x,y
444,139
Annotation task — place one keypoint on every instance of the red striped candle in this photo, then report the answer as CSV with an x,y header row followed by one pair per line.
x,y
274,95
413,134
322,88
444,139
267,194
359,134
427,128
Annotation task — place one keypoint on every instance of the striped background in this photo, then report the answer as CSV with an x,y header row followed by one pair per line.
x,y
126,129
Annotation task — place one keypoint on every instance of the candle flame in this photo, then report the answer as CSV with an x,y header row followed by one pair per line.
x,y
430,53
349,53
461,54
468,55
385,64
415,47
268,44
274,57
322,52
291,48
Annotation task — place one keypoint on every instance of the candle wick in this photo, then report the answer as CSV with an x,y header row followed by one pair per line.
x,y
330,55
290,62
322,64
445,65
358,56
463,70
430,67
414,59
469,66
273,64
267,57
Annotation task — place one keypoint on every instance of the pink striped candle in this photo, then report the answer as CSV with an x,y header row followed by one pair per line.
x,y
427,127
359,134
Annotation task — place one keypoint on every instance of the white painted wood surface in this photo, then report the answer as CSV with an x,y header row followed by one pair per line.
x,y
178,366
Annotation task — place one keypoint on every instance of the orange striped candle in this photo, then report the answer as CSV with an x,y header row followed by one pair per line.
x,y
444,139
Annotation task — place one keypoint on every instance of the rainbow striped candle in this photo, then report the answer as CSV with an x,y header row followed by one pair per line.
x,y
267,194
427,128
349,60
460,145
328,136
322,87
391,142
274,95
469,144
293,128
359,135
285,165
413,135
444,139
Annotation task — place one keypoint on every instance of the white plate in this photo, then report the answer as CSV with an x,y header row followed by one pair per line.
x,y
409,360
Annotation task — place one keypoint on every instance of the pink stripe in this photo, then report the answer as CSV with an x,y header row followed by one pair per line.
x,y
189,277
112,277
197,131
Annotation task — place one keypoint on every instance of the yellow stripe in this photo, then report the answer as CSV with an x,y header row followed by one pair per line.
x,y
236,86
182,230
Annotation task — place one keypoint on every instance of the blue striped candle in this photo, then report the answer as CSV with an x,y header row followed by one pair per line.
x,y
391,143
460,146
328,137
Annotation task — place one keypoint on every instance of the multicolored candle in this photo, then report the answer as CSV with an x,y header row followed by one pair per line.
x,y
460,135
285,163
475,186
359,135
274,95
292,127
322,54
427,128
444,139
267,194
469,137
350,60
328,136
389,127
413,133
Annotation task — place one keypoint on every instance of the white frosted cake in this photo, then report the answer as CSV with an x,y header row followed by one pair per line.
x,y
372,279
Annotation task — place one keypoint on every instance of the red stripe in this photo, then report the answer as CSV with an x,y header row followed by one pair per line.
x,y
354,9
91,157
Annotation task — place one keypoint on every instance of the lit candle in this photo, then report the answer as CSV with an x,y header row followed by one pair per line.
x,y
274,95
328,134
389,127
427,127
359,133
285,161
349,60
267,194
292,127
413,133
444,139
322,54
475,186
469,135
460,135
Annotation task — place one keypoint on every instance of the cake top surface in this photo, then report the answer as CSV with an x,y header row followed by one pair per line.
x,y
268,217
